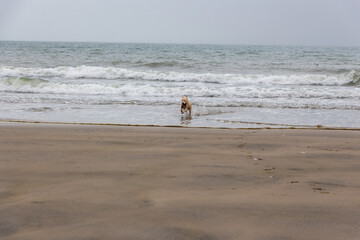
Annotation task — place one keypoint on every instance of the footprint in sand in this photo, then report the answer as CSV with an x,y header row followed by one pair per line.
x,y
320,190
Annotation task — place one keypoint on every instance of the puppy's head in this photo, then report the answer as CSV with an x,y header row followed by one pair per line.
x,y
184,100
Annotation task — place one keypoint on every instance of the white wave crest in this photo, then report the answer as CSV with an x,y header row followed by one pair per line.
x,y
94,72
29,85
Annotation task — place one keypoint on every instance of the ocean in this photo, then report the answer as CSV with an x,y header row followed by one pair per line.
x,y
232,86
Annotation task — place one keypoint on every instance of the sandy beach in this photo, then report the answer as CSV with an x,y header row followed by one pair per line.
x,y
107,182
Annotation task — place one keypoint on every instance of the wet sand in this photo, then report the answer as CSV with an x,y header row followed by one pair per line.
x,y
99,182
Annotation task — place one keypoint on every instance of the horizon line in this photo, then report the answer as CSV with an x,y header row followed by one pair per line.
x,y
184,43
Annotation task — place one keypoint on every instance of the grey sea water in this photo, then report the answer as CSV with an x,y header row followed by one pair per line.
x,y
229,85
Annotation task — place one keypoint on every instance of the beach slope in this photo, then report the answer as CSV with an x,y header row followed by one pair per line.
x,y
99,182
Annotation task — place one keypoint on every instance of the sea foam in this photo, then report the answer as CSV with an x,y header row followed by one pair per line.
x,y
134,89
111,73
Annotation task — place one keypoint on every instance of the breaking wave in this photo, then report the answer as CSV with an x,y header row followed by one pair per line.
x,y
93,72
39,85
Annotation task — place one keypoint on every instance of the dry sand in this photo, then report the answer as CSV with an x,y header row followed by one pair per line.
x,y
98,182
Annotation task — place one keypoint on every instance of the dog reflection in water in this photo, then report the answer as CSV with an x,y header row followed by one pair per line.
x,y
185,107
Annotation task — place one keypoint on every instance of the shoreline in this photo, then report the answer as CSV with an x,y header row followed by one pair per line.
x,y
319,127
122,182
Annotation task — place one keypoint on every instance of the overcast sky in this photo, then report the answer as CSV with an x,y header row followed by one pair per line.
x,y
274,22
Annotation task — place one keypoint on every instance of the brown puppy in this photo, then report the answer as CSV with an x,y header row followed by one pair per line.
x,y
185,105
